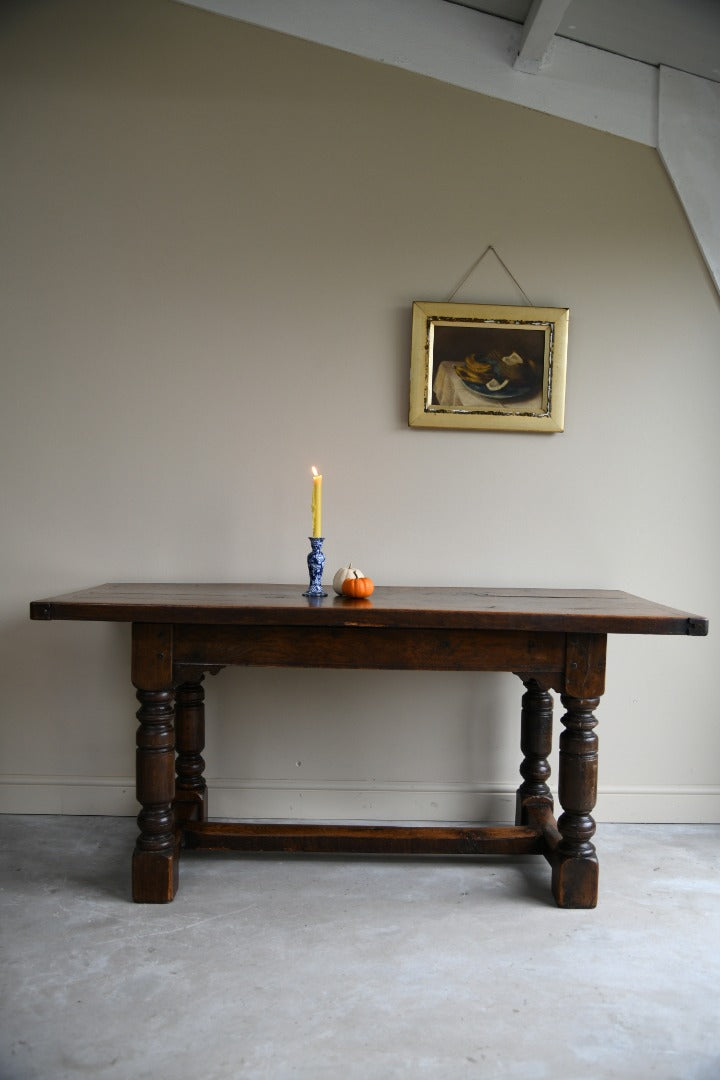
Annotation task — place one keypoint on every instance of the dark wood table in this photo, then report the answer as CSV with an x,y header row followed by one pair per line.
x,y
553,639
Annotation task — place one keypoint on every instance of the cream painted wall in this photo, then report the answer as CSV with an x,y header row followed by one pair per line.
x,y
211,241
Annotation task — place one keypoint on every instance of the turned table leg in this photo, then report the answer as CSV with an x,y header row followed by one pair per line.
x,y
575,866
155,859
536,744
190,787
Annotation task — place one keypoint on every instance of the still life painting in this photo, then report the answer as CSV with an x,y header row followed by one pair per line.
x,y
488,367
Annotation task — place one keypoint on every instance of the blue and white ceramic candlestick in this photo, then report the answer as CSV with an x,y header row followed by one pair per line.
x,y
316,562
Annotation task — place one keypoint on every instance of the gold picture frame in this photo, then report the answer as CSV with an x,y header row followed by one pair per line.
x,y
488,367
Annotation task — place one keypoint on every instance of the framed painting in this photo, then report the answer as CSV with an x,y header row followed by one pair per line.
x,y
488,367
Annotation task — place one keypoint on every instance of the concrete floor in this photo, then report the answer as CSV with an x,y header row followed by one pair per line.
x,y
316,968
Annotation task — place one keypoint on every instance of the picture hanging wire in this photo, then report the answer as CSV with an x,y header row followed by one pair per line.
x,y
477,262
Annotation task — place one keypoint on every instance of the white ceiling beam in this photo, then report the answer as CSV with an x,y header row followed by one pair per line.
x,y
538,35
689,145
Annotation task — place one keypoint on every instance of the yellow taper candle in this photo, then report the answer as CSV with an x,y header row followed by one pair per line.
x,y
316,503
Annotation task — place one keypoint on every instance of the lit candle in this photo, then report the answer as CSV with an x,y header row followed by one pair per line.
x,y
316,503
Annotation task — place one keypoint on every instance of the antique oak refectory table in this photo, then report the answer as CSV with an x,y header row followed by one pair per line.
x,y
553,639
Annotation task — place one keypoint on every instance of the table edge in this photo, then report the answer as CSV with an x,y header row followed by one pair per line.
x,y
338,612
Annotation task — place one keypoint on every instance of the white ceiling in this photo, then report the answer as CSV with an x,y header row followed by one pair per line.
x,y
646,70
681,34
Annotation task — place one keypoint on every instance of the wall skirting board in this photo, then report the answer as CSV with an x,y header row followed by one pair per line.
x,y
352,800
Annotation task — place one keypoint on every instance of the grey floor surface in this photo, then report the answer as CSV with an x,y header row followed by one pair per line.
x,y
313,967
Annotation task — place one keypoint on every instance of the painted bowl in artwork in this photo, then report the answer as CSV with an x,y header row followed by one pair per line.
x,y
502,378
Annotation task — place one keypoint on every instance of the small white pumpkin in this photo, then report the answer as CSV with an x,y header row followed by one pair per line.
x,y
343,573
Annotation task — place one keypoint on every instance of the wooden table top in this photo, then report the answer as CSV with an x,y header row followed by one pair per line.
x,y
599,611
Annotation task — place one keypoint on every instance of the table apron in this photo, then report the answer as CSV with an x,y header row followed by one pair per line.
x,y
369,647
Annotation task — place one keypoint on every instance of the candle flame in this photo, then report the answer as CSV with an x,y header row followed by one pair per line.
x,y
314,471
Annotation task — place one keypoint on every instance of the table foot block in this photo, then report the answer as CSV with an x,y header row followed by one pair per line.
x,y
364,839
190,806
539,815
154,877
575,881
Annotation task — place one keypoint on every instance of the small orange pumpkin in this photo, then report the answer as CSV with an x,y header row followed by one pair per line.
x,y
357,587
